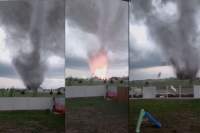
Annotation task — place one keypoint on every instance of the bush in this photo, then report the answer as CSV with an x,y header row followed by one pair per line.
x,y
80,81
2,91
121,81
11,93
51,92
69,81
34,93
111,81
59,93
147,83
91,81
23,92
104,81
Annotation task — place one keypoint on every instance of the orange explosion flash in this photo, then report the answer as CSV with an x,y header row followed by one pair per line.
x,y
101,73
99,65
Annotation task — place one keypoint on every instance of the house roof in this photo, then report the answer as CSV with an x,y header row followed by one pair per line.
x,y
113,77
61,88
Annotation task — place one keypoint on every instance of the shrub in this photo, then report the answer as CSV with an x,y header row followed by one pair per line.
x,y
111,81
91,81
51,92
23,92
59,93
121,81
80,81
34,93
69,81
11,93
3,91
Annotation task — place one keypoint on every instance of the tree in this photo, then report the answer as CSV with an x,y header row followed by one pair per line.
x,y
59,93
3,91
190,82
91,81
111,81
11,93
22,92
34,92
80,81
69,81
51,92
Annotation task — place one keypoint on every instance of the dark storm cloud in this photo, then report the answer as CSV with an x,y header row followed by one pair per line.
x,y
7,71
106,19
176,35
144,63
40,22
82,64
55,72
76,63
142,58
99,17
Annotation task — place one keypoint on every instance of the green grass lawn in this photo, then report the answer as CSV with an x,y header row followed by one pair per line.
x,y
76,83
176,116
29,94
31,122
184,84
95,115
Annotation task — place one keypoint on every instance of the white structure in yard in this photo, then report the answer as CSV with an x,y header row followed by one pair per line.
x,y
85,91
95,78
115,79
62,89
40,89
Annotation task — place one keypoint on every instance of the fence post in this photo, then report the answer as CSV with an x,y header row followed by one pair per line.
x,y
167,91
13,103
72,92
28,103
42,102
59,103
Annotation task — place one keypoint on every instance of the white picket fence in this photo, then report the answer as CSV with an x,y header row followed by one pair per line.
x,y
150,92
26,103
84,91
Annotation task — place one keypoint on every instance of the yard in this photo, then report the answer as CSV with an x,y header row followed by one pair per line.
x,y
76,83
5,93
175,116
31,122
96,115
183,84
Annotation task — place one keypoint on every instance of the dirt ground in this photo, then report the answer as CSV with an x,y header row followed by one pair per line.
x,y
92,115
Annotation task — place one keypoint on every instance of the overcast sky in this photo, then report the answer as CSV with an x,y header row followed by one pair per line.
x,y
147,43
92,25
54,76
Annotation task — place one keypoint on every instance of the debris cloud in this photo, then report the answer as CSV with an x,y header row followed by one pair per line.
x,y
176,33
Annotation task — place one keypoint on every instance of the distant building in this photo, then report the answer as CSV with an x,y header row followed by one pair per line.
x,y
95,78
114,78
40,89
62,89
